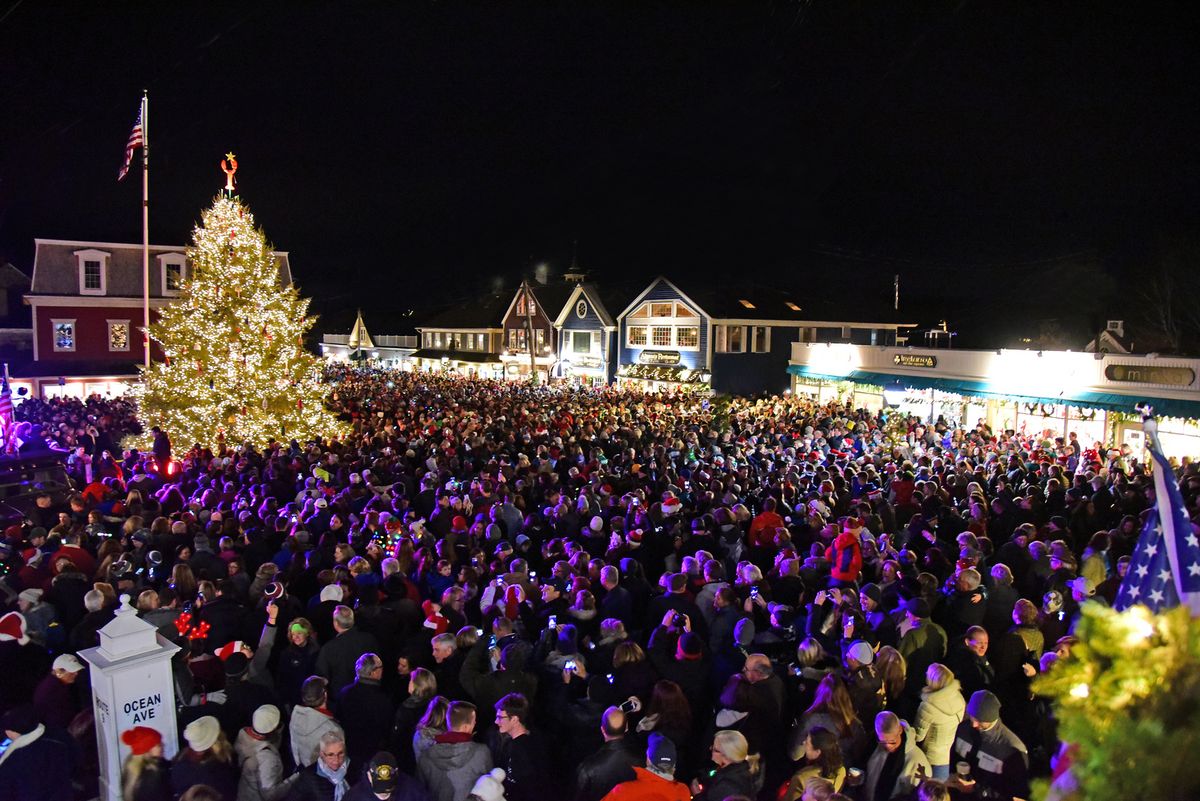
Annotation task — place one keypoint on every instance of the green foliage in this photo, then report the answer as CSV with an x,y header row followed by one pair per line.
x,y
1129,699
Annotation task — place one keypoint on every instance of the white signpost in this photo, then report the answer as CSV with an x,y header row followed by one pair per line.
x,y
132,685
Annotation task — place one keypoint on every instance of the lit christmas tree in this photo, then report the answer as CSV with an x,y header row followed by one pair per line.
x,y
235,365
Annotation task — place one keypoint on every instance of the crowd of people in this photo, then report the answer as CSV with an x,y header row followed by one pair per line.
x,y
493,590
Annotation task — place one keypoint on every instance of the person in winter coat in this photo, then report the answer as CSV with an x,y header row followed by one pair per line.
x,y
208,759
612,764
385,781
737,770
145,775
942,709
822,760
486,686
257,750
452,764
422,687
845,554
656,781
311,721
892,770
366,712
297,661
326,778
37,764
338,657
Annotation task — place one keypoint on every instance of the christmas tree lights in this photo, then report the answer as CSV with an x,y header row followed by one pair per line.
x,y
235,367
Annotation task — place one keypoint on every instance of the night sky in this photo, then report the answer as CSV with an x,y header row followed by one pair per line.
x,y
1007,160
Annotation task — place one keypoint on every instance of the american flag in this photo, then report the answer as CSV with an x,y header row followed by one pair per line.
x,y
7,423
1165,568
135,141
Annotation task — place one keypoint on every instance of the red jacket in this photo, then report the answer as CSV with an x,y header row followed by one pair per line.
x,y
762,529
648,787
845,557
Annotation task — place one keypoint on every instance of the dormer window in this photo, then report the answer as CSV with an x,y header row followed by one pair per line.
x,y
792,306
746,304
93,271
173,267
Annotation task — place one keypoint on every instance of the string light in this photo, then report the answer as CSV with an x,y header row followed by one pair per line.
x,y
246,345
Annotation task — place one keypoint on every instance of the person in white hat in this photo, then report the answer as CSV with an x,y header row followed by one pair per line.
x,y
39,615
207,759
257,750
53,698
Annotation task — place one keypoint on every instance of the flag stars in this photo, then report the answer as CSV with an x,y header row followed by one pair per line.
x,y
1194,569
1141,571
1164,575
1157,597
1192,540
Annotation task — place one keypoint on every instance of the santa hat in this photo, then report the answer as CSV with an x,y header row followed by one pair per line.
x,y
12,627
229,649
671,505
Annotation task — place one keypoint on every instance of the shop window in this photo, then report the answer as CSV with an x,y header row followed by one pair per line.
x,y
637,335
660,336
64,335
687,337
172,265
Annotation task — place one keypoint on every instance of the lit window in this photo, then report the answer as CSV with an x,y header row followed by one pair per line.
x,y
792,306
637,335
118,335
662,309
747,304
687,337
64,334
660,336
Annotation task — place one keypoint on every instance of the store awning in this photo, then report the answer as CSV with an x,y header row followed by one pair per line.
x,y
476,357
1165,407
652,372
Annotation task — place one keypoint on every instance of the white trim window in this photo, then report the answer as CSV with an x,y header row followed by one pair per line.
x,y
730,339
93,271
760,339
581,341
664,324
62,333
118,336
172,270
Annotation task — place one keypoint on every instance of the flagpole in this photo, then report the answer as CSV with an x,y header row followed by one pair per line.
x,y
146,226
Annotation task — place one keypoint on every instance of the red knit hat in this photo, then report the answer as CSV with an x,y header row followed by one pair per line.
x,y
141,739
12,627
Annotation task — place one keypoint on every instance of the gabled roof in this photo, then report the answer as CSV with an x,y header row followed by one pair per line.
x,y
683,295
588,291
550,297
485,312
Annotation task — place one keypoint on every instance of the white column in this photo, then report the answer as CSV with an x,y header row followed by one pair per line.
x,y
132,685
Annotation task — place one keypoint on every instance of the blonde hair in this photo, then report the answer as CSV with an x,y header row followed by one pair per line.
x,y
135,766
424,683
735,748
628,653
938,676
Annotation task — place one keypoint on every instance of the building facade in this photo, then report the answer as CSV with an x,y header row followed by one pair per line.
x,y
586,338
87,313
464,339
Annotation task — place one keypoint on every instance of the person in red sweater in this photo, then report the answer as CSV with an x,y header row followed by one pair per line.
x,y
845,554
762,528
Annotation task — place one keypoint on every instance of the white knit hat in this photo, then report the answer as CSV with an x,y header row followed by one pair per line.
x,y
490,786
202,733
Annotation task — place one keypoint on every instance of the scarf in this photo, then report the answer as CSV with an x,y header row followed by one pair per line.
x,y
21,741
336,778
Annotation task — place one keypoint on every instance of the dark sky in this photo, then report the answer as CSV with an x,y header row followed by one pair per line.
x,y
408,154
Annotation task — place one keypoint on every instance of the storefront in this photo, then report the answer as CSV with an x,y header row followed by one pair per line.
x,y
664,378
1045,394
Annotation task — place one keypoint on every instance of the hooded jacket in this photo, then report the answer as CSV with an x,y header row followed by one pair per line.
x,y
845,557
449,769
306,728
937,719
261,769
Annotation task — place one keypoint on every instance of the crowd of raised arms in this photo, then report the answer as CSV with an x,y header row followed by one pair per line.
x,y
495,590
